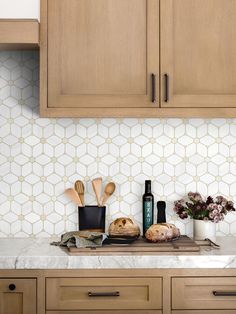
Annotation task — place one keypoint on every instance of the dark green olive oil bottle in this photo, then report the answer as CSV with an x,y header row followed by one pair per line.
x,y
148,205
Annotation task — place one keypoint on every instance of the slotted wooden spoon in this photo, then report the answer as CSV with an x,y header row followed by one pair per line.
x,y
79,187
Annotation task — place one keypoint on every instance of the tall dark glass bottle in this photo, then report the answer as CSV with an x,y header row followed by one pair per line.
x,y
148,205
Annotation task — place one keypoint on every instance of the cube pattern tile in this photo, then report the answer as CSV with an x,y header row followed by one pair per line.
x,y
40,158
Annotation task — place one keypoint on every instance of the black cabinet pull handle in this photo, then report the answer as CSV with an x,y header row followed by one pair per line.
x,y
12,287
167,87
104,294
224,293
154,88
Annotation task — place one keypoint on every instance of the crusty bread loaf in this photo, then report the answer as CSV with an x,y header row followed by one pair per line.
x,y
162,232
123,227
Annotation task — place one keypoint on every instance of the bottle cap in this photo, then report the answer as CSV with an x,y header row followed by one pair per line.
x,y
148,186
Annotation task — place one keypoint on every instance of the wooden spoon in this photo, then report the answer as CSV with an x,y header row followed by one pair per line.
x,y
97,187
109,190
79,187
71,193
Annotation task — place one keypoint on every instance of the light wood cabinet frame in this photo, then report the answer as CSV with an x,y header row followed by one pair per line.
x,y
19,34
209,106
165,274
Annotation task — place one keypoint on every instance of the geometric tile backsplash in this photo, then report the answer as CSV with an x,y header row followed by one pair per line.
x,y
39,158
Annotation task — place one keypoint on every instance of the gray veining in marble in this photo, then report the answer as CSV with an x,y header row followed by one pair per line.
x,y
38,254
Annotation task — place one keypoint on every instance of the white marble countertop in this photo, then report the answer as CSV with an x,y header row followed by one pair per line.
x,y
39,254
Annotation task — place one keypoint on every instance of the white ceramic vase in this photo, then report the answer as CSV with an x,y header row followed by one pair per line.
x,y
204,229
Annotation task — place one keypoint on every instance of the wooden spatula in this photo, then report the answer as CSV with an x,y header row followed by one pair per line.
x,y
79,187
97,187
109,190
72,194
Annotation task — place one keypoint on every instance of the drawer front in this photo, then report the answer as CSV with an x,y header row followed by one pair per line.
x,y
203,312
103,293
107,312
216,293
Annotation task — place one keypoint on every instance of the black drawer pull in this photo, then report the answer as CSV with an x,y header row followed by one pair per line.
x,y
224,293
167,87
12,287
104,294
154,96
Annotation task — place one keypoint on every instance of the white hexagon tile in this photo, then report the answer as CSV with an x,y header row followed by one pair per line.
x,y
39,158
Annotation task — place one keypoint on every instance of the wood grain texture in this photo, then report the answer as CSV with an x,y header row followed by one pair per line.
x,y
198,51
20,301
166,294
203,312
142,247
100,54
223,112
166,275
196,293
108,312
43,86
19,34
72,293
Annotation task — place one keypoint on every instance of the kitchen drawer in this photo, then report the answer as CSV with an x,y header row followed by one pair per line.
x,y
107,312
199,293
201,312
117,293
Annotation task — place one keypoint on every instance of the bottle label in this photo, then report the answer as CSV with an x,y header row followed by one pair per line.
x,y
148,216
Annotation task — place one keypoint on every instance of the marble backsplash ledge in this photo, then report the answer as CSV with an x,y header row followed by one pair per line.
x,y
39,158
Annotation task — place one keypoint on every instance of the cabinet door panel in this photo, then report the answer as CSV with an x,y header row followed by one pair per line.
x,y
101,53
21,300
198,52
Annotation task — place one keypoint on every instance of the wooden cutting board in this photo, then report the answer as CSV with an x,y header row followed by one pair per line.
x,y
140,247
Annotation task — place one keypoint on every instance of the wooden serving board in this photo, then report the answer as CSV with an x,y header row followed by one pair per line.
x,y
140,246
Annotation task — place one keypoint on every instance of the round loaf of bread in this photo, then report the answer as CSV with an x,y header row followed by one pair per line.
x,y
123,227
162,232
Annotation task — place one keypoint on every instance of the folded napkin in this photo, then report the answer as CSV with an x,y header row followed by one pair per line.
x,y
81,239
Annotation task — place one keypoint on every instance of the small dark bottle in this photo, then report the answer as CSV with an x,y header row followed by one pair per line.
x,y
161,212
148,206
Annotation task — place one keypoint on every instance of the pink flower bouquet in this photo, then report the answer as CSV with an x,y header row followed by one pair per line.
x,y
200,209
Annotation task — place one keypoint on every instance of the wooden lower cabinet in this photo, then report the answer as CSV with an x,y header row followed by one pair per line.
x,y
118,291
17,296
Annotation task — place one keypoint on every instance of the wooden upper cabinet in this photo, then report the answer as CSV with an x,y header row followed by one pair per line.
x,y
17,296
98,57
198,53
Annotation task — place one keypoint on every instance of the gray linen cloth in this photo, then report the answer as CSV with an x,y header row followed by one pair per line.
x,y
81,239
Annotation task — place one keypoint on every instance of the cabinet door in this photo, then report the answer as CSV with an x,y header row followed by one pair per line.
x,y
102,53
198,53
17,296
